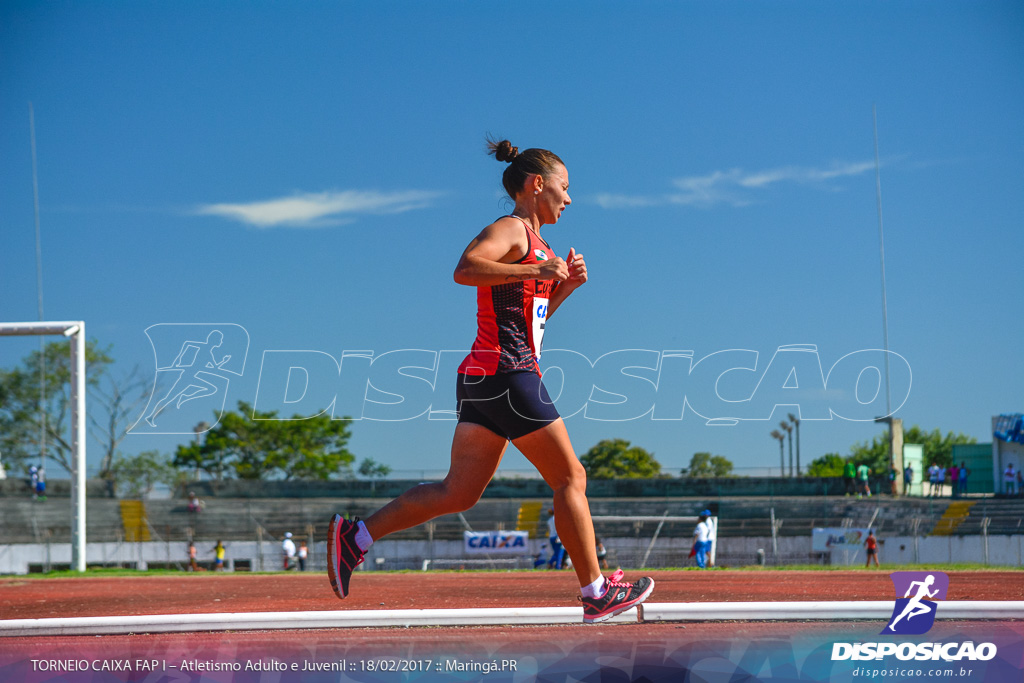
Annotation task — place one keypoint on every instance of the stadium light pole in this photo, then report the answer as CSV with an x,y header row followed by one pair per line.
x,y
796,423
789,432
782,455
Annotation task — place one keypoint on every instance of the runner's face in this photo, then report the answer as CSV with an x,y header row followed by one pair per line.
x,y
554,196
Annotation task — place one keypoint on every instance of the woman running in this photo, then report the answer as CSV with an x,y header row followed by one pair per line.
x,y
520,283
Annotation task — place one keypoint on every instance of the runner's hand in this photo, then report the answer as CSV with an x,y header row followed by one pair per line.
x,y
577,268
553,269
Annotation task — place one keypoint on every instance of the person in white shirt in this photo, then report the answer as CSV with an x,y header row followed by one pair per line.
x,y
702,539
933,479
288,546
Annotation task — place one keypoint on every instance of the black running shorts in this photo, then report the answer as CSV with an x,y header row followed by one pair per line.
x,y
511,404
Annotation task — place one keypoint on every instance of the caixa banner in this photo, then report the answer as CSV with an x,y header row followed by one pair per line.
x,y
494,542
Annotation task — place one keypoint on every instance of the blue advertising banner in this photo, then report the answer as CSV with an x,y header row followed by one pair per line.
x,y
496,542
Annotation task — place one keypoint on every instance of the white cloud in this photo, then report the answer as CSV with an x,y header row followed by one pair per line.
x,y
734,186
310,210
621,201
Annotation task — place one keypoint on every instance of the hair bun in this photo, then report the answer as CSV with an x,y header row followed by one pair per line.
x,y
505,151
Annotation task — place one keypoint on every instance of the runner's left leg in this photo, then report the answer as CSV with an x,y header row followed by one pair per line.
x,y
551,452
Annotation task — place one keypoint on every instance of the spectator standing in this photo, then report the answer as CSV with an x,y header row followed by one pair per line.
x,y
1010,480
871,545
863,473
701,539
194,504
954,480
193,566
849,476
933,479
942,480
908,479
218,552
41,483
963,478
1020,483
288,548
303,556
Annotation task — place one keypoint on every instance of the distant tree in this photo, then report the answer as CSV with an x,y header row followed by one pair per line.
x,y
616,459
118,401
373,471
26,418
258,445
137,475
937,448
828,465
209,456
704,465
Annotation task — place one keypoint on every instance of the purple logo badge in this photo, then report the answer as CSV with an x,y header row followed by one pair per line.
x,y
916,593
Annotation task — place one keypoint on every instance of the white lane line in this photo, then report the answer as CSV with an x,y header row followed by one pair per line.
x,y
535,616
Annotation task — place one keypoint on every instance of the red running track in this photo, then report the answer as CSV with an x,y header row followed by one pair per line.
x,y
27,598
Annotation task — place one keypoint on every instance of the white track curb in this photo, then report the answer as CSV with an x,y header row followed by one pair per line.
x,y
530,616
237,621
827,611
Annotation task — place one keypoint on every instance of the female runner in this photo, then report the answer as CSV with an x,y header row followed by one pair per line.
x,y
520,283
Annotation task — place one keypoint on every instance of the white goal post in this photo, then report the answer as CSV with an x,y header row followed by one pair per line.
x,y
75,329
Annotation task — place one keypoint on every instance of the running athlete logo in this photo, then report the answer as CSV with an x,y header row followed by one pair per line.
x,y
914,613
193,367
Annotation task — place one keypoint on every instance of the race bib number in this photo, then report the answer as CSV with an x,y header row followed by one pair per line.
x,y
540,316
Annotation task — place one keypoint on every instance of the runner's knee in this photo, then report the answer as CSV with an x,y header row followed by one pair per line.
x,y
459,498
572,480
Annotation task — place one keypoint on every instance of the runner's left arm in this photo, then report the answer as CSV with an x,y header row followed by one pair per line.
x,y
577,277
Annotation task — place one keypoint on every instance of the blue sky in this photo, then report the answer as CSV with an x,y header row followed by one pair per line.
x,y
311,172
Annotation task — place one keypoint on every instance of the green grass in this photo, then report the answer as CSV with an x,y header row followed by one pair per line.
x,y
120,572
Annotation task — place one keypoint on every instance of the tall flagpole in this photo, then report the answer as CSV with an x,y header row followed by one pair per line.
x,y
39,289
895,424
881,251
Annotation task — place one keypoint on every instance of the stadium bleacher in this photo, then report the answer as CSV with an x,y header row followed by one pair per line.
x,y
28,521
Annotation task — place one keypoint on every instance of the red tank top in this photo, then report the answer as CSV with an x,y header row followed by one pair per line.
x,y
510,319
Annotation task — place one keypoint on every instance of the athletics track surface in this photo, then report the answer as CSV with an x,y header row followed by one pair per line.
x,y
709,651
25,598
